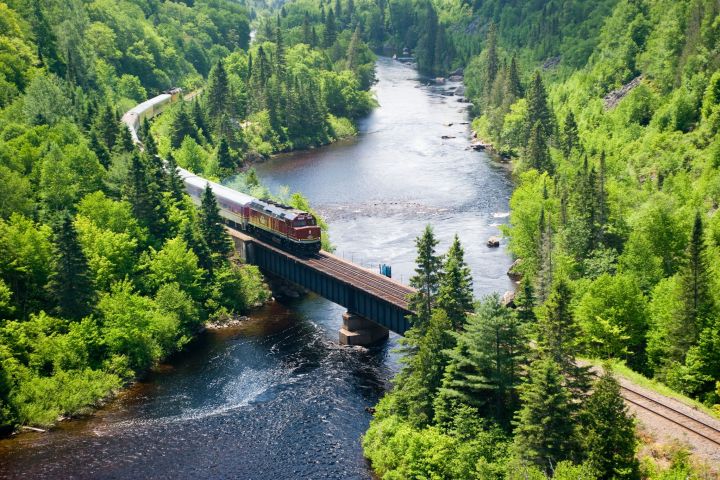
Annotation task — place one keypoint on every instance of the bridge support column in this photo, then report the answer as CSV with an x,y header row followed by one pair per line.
x,y
357,330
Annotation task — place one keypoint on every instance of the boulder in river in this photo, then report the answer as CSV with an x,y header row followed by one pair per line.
x,y
508,299
493,242
514,270
447,137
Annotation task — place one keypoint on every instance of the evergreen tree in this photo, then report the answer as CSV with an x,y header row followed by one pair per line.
x,y
538,152
545,257
217,96
338,10
279,50
191,235
485,365
545,425
225,160
422,374
107,127
46,40
697,301
124,142
559,337
538,109
425,51
71,283
426,279
174,183
514,88
146,137
608,431
198,118
145,196
307,31
570,139
212,228
525,301
330,33
181,126
455,293
491,61
101,151
353,50
602,197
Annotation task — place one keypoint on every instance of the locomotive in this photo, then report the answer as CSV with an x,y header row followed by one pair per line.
x,y
287,227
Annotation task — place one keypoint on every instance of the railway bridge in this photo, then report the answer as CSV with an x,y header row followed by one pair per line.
x,y
375,304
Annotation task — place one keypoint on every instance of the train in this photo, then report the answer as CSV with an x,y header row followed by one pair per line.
x,y
289,228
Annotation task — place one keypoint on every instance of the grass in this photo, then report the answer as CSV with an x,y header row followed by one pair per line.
x,y
624,371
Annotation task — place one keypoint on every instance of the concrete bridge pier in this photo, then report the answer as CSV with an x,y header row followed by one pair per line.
x,y
357,330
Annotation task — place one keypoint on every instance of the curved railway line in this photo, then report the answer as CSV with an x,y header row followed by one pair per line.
x,y
672,415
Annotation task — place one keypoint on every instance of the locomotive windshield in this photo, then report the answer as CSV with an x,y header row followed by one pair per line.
x,y
304,222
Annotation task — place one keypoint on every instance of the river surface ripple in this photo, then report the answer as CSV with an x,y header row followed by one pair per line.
x,y
277,397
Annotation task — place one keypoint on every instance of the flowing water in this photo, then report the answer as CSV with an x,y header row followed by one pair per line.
x,y
277,397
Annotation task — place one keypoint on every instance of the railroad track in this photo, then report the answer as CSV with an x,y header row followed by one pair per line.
x,y
360,277
673,415
356,271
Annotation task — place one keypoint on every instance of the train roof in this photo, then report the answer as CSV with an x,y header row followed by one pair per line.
x,y
223,192
277,209
148,103
220,191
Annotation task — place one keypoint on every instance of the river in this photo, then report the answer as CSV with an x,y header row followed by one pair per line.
x,y
277,397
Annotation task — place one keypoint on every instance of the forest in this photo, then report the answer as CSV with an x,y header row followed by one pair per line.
x,y
107,267
607,112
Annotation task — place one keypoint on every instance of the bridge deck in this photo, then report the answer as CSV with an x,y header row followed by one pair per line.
x,y
360,278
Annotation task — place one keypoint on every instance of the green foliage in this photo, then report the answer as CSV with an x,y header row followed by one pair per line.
x,y
455,295
545,432
426,279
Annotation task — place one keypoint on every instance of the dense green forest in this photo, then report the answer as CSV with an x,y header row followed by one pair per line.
x,y
106,266
609,113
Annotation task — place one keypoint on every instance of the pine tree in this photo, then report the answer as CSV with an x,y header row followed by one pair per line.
x,y
545,425
559,337
545,257
455,293
338,10
314,42
71,283
608,431
538,153
225,160
330,33
174,183
425,51
491,61
180,127
422,374
353,50
46,40
217,96
145,196
514,88
124,142
212,228
697,300
426,279
100,149
538,109
107,127
525,301
602,201
190,233
198,118
485,365
570,139
279,50
306,29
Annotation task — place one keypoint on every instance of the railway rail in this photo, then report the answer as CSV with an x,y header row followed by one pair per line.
x,y
672,415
